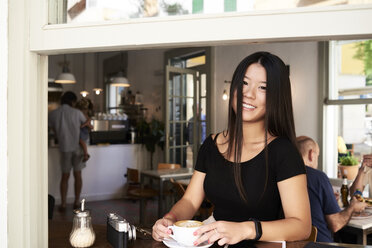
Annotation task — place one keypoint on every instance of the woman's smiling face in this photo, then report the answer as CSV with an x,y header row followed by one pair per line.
x,y
254,94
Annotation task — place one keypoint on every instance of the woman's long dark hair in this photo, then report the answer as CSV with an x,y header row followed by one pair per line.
x,y
279,113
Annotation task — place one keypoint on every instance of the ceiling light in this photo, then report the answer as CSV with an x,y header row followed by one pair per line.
x,y
65,77
224,95
120,80
84,93
97,90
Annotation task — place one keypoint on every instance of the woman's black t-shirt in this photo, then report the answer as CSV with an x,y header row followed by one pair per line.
x,y
219,184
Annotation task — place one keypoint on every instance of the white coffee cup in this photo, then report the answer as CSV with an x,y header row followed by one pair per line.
x,y
183,231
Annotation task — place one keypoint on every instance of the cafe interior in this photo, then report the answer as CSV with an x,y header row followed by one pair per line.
x,y
178,88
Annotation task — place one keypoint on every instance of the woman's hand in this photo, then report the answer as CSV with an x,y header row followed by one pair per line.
x,y
367,160
160,229
225,232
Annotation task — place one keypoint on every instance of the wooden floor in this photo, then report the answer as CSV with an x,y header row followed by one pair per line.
x,y
128,209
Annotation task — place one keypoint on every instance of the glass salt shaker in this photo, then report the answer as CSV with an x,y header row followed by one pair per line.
x,y
82,234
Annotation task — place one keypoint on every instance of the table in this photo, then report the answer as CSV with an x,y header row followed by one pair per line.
x,y
162,176
59,232
360,227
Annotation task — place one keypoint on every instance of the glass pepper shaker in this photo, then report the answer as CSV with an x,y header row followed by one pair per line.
x,y
82,234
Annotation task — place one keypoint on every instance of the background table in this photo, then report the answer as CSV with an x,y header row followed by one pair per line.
x,y
360,227
162,176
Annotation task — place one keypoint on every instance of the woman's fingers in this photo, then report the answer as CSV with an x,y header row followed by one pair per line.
x,y
222,231
210,233
222,241
215,235
160,229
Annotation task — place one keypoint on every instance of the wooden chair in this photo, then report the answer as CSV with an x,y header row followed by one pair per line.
x,y
206,207
134,190
162,166
313,234
134,186
178,188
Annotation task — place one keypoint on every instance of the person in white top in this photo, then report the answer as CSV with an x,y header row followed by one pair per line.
x,y
66,122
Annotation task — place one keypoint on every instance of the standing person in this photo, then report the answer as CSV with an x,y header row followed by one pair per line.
x,y
86,107
66,121
326,215
252,172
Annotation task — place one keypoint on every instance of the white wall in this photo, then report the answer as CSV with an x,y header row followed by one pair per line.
x,y
103,176
302,57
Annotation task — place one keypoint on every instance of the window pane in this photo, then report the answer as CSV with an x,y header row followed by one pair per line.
x,y
189,108
230,5
355,127
203,81
176,132
171,109
203,107
195,61
351,70
189,85
189,157
175,80
83,11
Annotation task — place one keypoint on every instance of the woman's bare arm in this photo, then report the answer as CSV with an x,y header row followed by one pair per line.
x,y
187,206
296,208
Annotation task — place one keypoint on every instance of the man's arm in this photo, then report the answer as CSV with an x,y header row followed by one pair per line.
x,y
359,181
337,221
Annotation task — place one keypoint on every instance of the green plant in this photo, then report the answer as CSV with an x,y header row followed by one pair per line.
x,y
349,160
364,53
151,134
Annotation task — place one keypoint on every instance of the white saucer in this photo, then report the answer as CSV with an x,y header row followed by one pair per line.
x,y
171,243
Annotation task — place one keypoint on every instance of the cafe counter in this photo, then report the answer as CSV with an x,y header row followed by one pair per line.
x,y
103,176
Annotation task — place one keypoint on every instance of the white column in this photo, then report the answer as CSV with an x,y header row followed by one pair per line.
x,y
27,134
3,121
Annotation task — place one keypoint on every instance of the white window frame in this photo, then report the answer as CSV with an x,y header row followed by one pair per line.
x,y
31,40
289,24
330,124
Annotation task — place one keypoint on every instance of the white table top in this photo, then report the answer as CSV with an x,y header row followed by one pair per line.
x,y
169,173
364,223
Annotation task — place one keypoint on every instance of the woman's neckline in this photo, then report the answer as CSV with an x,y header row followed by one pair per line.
x,y
214,141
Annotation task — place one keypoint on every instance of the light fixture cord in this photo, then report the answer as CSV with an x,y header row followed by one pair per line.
x,y
97,57
84,71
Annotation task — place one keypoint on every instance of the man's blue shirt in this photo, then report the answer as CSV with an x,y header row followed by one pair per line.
x,y
322,202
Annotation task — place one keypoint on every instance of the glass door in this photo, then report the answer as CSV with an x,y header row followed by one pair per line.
x,y
182,90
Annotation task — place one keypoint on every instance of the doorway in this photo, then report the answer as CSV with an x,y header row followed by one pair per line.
x,y
187,103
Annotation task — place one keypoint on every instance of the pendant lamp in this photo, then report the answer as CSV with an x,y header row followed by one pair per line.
x,y
119,80
97,90
225,96
65,77
84,93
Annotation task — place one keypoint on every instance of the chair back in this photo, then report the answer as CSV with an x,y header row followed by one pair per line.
x,y
162,166
180,189
313,234
132,175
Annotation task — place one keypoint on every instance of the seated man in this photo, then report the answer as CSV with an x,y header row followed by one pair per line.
x,y
325,212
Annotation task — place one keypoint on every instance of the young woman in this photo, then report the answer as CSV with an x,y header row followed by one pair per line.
x,y
252,172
